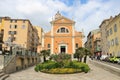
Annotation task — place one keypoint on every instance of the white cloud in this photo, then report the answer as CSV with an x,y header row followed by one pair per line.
x,y
87,16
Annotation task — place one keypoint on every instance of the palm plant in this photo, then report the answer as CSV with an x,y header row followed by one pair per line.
x,y
79,53
82,52
45,53
86,53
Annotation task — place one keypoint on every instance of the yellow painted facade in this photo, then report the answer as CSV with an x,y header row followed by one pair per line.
x,y
24,34
23,37
2,22
113,36
62,38
40,32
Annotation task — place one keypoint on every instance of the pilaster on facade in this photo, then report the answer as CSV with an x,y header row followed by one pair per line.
x,y
73,38
52,39
82,37
43,40
62,36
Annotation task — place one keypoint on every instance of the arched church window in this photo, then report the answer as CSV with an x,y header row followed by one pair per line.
x,y
67,31
58,31
62,30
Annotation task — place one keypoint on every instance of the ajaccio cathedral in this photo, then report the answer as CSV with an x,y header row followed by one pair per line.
x,y
63,38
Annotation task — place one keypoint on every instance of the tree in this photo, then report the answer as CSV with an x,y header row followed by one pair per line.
x,y
86,53
82,52
60,57
79,53
45,53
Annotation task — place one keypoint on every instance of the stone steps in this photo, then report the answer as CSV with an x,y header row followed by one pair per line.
x,y
3,76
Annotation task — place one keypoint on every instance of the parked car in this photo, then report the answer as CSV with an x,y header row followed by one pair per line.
x,y
107,59
103,57
115,59
119,61
111,59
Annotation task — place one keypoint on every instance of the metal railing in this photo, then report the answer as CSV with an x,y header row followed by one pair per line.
x,y
21,53
8,59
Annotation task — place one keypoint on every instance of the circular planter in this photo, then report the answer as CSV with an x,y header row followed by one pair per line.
x,y
62,71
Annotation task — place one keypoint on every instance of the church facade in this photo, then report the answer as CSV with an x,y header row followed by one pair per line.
x,y
63,38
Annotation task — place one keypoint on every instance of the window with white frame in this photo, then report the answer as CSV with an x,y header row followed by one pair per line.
x,y
48,45
115,28
108,44
23,26
12,32
15,32
76,45
15,26
112,42
116,41
110,30
10,26
107,33
9,32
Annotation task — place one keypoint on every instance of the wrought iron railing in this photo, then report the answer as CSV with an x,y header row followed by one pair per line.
x,y
21,53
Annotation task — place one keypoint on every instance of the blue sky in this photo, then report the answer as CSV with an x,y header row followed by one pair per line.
x,y
88,14
71,2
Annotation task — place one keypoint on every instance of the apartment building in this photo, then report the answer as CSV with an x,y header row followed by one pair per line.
x,y
93,42
20,32
113,35
40,33
103,27
2,21
35,39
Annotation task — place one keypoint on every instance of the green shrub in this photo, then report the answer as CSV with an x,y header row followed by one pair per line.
x,y
85,68
48,65
36,68
60,57
52,65
68,64
79,65
62,71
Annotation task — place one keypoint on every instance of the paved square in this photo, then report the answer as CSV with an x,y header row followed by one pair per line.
x,y
96,73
